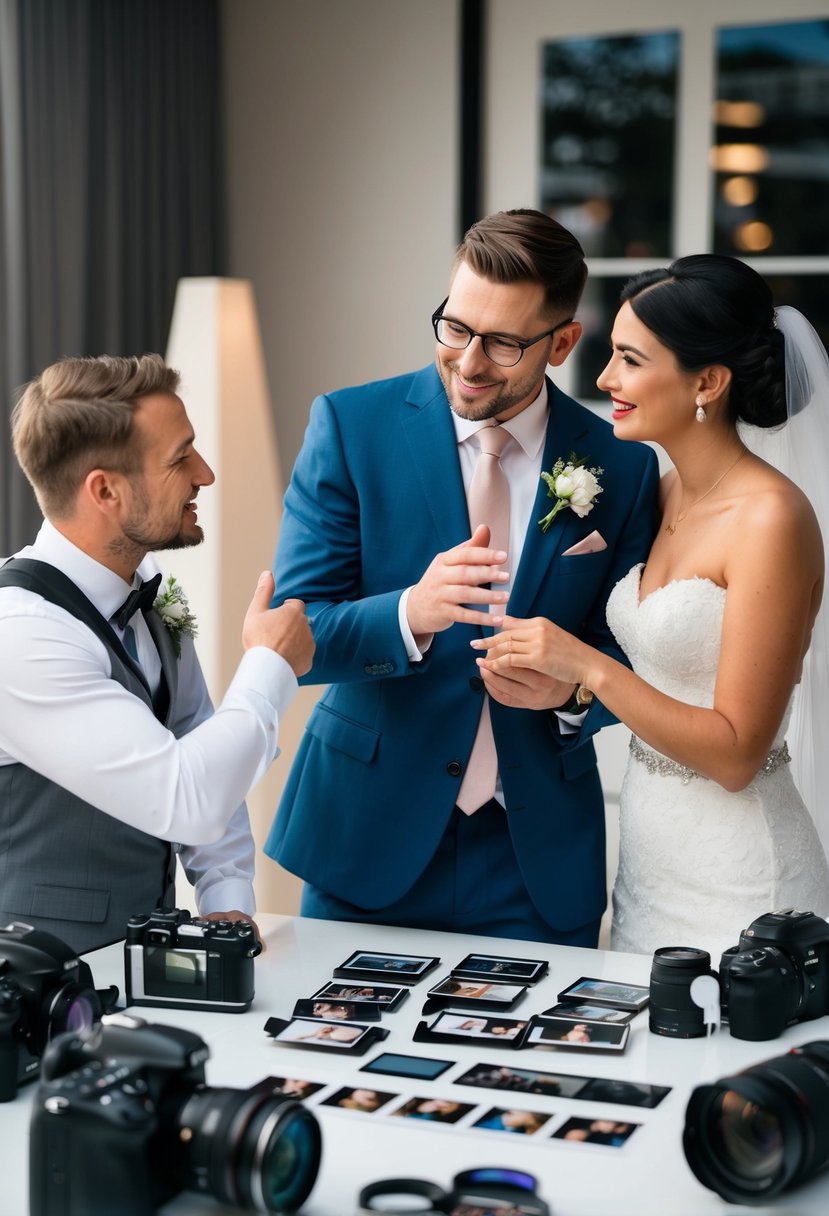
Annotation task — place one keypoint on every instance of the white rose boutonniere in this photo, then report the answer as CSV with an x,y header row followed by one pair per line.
x,y
572,485
173,607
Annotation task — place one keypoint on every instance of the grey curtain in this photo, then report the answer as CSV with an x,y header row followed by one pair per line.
x,y
110,187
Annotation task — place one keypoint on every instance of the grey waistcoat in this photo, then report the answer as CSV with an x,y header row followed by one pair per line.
x,y
65,866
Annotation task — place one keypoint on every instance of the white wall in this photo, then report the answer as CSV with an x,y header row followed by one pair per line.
x,y
342,152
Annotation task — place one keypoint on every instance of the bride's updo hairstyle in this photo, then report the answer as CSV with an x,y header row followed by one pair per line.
x,y
708,309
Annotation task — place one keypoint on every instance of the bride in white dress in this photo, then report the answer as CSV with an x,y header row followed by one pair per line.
x,y
717,623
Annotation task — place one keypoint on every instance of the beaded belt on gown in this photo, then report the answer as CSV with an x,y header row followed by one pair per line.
x,y
654,762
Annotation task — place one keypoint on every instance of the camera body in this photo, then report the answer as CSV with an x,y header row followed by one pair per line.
x,y
123,1121
777,975
45,989
189,963
96,1115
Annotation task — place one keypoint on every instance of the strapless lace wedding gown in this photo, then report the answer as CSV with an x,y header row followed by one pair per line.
x,y
697,864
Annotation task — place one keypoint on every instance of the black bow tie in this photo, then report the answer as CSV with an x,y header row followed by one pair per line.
x,y
141,598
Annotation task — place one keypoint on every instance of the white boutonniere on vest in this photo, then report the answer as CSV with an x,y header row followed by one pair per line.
x,y
572,485
173,607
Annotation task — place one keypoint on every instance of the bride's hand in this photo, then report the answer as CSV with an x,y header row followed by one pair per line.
x,y
536,644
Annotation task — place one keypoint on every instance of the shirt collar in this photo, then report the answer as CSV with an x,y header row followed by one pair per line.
x,y
529,428
101,586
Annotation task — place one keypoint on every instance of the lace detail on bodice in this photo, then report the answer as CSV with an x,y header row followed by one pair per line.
x,y
672,637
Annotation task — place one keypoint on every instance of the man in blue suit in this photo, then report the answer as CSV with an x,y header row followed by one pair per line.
x,y
377,540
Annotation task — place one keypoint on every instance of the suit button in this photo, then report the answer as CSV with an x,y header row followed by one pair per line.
x,y
454,768
476,684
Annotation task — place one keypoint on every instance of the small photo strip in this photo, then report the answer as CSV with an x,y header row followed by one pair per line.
x,y
337,1011
586,1036
385,996
369,965
434,1110
512,1120
498,1029
289,1087
523,1081
589,1013
339,1036
502,968
624,1093
486,994
606,992
360,1099
608,1132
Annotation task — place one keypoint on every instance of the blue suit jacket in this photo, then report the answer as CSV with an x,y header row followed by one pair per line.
x,y
375,494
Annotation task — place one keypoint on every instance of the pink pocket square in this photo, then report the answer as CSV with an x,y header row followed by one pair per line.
x,y
594,543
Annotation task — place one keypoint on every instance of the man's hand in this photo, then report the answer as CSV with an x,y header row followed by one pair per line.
x,y
530,664
236,915
284,629
455,579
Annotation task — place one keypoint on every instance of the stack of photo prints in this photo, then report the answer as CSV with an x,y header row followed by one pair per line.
x,y
463,1007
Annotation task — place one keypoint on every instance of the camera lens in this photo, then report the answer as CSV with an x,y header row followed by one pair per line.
x,y
672,1009
258,1151
751,1136
72,1007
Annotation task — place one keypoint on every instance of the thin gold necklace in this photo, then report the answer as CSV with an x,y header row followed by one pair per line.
x,y
673,527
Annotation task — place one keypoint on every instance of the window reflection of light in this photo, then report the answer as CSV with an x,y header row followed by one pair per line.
x,y
740,191
739,158
739,113
753,237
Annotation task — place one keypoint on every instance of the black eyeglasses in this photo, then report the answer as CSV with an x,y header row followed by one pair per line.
x,y
498,348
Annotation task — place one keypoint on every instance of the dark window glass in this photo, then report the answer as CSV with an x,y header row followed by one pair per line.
x,y
771,153
608,139
597,312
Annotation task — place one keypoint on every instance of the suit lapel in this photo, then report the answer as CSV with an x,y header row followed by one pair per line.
x,y
434,450
165,699
565,431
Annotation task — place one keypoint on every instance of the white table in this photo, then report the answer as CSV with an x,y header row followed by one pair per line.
x,y
649,1175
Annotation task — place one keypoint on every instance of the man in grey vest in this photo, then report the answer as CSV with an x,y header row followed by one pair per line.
x,y
112,759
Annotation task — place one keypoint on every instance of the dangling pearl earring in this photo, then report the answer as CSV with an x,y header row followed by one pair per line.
x,y
701,415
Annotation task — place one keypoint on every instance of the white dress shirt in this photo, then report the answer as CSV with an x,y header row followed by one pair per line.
x,y
63,715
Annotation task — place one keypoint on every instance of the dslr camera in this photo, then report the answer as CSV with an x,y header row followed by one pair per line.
x,y
123,1121
45,989
777,975
189,963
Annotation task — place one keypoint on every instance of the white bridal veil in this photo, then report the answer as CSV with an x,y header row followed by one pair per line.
x,y
800,449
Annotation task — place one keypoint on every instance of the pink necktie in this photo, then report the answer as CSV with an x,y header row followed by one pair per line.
x,y
488,504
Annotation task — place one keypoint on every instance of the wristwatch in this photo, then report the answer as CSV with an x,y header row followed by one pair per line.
x,y
579,701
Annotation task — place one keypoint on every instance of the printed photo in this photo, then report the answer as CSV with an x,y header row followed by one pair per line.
x,y
334,1011
390,964
606,992
501,967
289,1087
518,1122
596,1131
625,1093
366,1100
562,1032
478,1027
589,1013
370,994
434,1110
523,1081
333,1034
465,990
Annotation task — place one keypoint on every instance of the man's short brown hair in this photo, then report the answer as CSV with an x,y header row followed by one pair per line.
x,y
77,416
527,246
